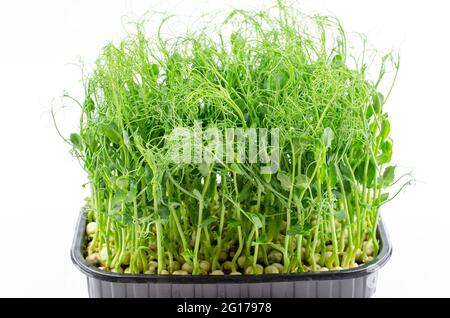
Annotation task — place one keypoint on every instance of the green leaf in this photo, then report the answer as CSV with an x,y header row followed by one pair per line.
x,y
296,198
337,60
204,169
371,171
267,177
302,181
327,137
385,129
235,168
388,175
154,69
384,197
369,111
126,138
232,223
197,194
89,140
262,239
256,220
164,213
297,229
88,105
337,194
285,181
76,141
245,192
378,101
119,197
111,132
122,182
131,195
386,153
208,221
340,215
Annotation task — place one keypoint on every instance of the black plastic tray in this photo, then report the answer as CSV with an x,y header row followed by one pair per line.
x,y
356,282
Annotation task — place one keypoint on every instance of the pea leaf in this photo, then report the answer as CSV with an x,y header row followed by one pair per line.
x,y
232,223
327,137
76,141
131,195
267,177
340,215
369,111
111,132
337,194
302,181
203,168
164,214
89,140
126,138
119,197
261,240
88,105
122,182
384,197
197,194
235,168
297,229
337,60
245,192
388,175
256,220
208,221
371,170
385,129
285,181
386,152
154,69
377,103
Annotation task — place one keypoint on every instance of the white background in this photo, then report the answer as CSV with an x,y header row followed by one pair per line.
x,y
40,184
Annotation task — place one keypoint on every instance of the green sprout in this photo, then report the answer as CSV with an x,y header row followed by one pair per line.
x,y
268,69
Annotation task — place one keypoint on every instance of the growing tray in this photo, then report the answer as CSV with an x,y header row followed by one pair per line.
x,y
357,283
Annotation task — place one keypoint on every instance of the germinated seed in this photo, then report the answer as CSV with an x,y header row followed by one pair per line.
x,y
217,272
278,266
259,270
187,267
91,228
241,261
275,256
180,272
271,270
93,259
205,266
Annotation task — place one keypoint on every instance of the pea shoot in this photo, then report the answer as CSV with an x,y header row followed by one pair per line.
x,y
269,69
